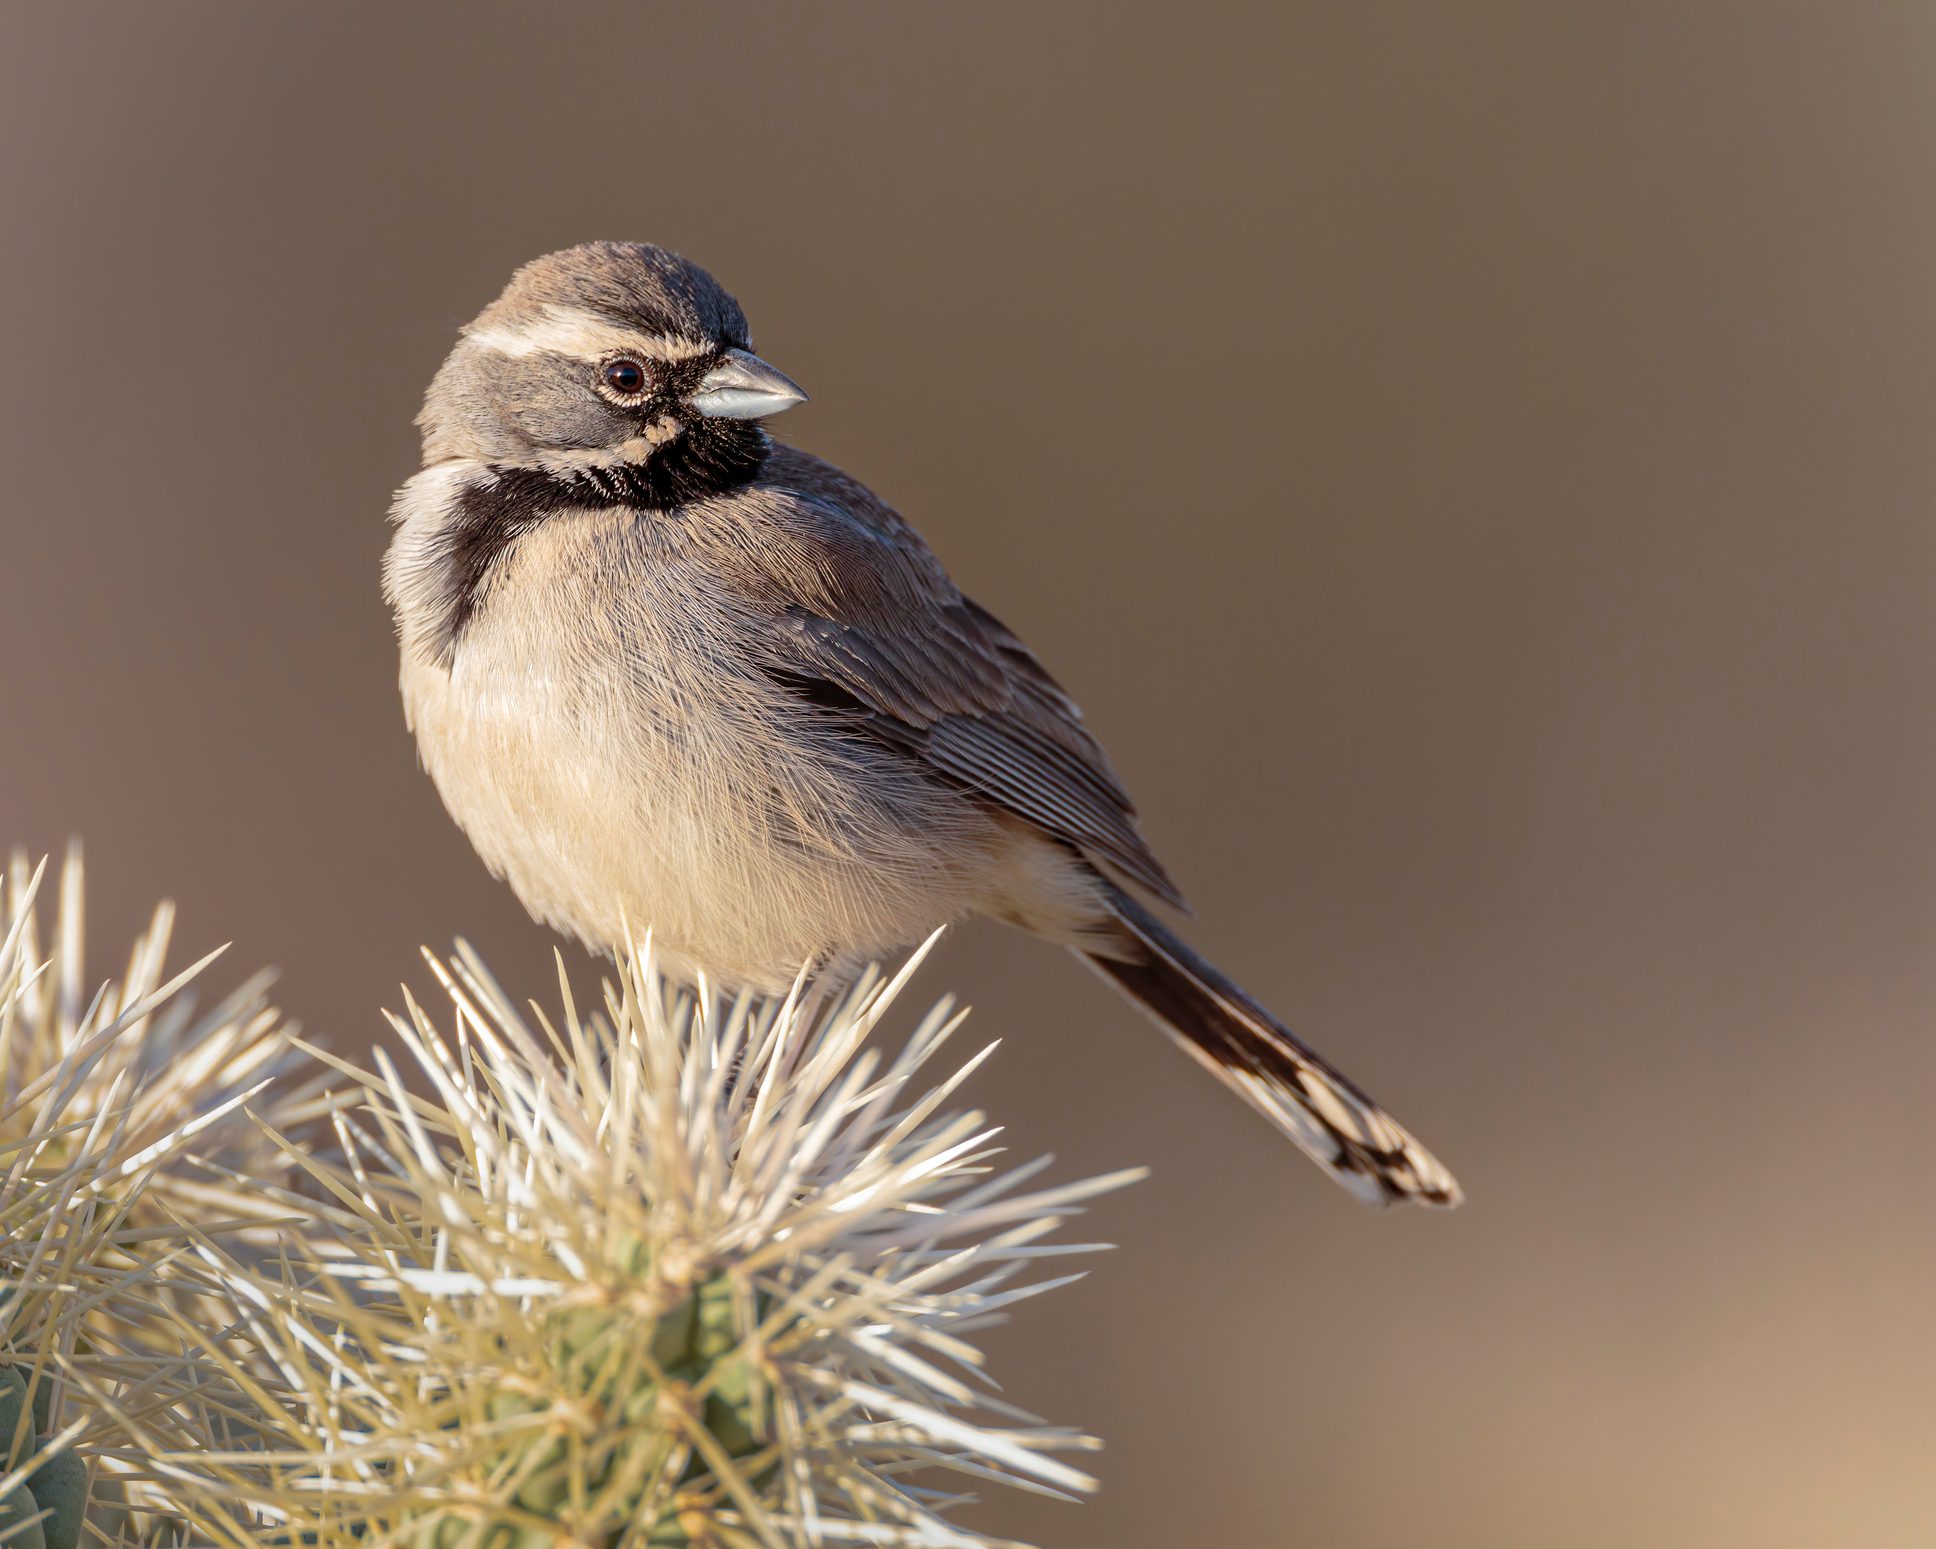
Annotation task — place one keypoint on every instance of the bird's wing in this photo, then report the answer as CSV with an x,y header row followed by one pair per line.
x,y
856,616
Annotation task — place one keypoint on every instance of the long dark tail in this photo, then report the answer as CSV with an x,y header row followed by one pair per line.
x,y
1257,1057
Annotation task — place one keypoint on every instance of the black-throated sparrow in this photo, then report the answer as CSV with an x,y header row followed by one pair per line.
x,y
665,671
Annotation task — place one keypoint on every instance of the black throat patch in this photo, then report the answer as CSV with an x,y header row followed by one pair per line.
x,y
489,517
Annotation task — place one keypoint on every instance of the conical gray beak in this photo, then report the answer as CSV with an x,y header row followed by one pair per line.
x,y
744,387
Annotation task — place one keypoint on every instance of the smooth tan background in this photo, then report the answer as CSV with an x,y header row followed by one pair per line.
x,y
1473,463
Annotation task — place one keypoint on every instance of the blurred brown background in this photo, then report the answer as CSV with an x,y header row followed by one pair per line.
x,y
1472,462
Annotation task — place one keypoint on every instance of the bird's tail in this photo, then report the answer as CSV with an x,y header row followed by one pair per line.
x,y
1257,1057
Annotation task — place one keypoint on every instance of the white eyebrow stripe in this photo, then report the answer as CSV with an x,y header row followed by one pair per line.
x,y
568,331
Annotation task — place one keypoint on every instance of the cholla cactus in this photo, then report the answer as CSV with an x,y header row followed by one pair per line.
x,y
171,1076
670,1272
103,1099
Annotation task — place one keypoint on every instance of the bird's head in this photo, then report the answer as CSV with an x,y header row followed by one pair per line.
x,y
615,360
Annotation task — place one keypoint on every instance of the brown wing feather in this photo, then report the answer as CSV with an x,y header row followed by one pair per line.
x,y
862,620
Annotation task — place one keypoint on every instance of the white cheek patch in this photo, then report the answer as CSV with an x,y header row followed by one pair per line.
x,y
569,331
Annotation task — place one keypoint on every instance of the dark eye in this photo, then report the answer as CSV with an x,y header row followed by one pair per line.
x,y
625,376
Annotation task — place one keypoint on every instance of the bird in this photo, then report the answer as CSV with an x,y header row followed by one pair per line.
x,y
668,672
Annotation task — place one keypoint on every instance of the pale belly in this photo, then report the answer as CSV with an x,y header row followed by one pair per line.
x,y
746,845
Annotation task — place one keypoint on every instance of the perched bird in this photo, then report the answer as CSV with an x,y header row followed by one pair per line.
x,y
665,671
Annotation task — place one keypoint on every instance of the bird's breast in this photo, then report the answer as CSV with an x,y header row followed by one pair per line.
x,y
610,751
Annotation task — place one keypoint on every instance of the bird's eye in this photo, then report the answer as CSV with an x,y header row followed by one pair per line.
x,y
625,376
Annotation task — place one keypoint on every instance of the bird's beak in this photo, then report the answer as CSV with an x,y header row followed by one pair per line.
x,y
744,387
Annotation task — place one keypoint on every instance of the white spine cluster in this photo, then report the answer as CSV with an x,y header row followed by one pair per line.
x,y
109,1100
672,1270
